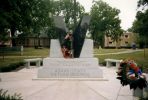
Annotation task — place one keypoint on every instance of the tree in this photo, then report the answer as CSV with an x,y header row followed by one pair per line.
x,y
32,16
40,17
142,3
104,21
140,25
11,15
23,15
115,35
4,37
69,11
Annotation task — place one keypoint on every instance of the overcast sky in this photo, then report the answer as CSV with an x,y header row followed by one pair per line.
x,y
127,10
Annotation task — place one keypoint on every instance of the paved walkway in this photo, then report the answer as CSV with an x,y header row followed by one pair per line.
x,y
122,52
21,82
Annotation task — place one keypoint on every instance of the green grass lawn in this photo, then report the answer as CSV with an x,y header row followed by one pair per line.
x,y
102,51
27,53
44,52
34,53
138,57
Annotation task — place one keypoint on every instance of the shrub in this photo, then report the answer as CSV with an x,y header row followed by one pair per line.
x,y
5,96
10,67
144,98
103,63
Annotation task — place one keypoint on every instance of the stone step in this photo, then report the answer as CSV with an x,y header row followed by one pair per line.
x,y
70,79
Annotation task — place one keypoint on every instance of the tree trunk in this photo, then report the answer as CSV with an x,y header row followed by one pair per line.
x,y
117,43
75,7
39,40
144,46
13,36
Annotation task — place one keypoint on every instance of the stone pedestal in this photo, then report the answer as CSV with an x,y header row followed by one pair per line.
x,y
56,66
55,49
87,50
70,68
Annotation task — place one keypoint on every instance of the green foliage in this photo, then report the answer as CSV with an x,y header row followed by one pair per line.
x,y
27,53
104,20
136,56
5,96
4,37
24,15
69,11
10,67
143,98
34,16
142,3
130,74
140,26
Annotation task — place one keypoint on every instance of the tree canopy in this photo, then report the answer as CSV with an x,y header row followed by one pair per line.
x,y
35,16
23,15
140,25
142,3
69,11
105,20
32,16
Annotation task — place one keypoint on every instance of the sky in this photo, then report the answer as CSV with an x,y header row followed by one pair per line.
x,y
127,10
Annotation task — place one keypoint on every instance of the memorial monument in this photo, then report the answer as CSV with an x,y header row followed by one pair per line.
x,y
81,64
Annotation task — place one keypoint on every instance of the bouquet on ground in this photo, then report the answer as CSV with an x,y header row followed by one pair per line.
x,y
130,74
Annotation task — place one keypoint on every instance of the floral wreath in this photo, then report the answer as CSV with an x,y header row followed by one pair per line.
x,y
130,74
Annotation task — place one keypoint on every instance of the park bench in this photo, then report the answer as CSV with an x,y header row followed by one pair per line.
x,y
36,60
110,61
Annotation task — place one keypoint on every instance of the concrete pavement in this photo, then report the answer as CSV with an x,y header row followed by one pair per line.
x,y
21,82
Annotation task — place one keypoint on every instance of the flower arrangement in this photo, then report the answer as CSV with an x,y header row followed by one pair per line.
x,y
130,74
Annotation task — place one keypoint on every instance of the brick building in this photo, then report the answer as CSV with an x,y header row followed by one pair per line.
x,y
125,41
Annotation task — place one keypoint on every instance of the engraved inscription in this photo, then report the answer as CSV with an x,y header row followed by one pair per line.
x,y
69,63
66,72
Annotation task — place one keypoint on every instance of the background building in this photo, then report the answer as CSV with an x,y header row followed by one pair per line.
x,y
126,41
